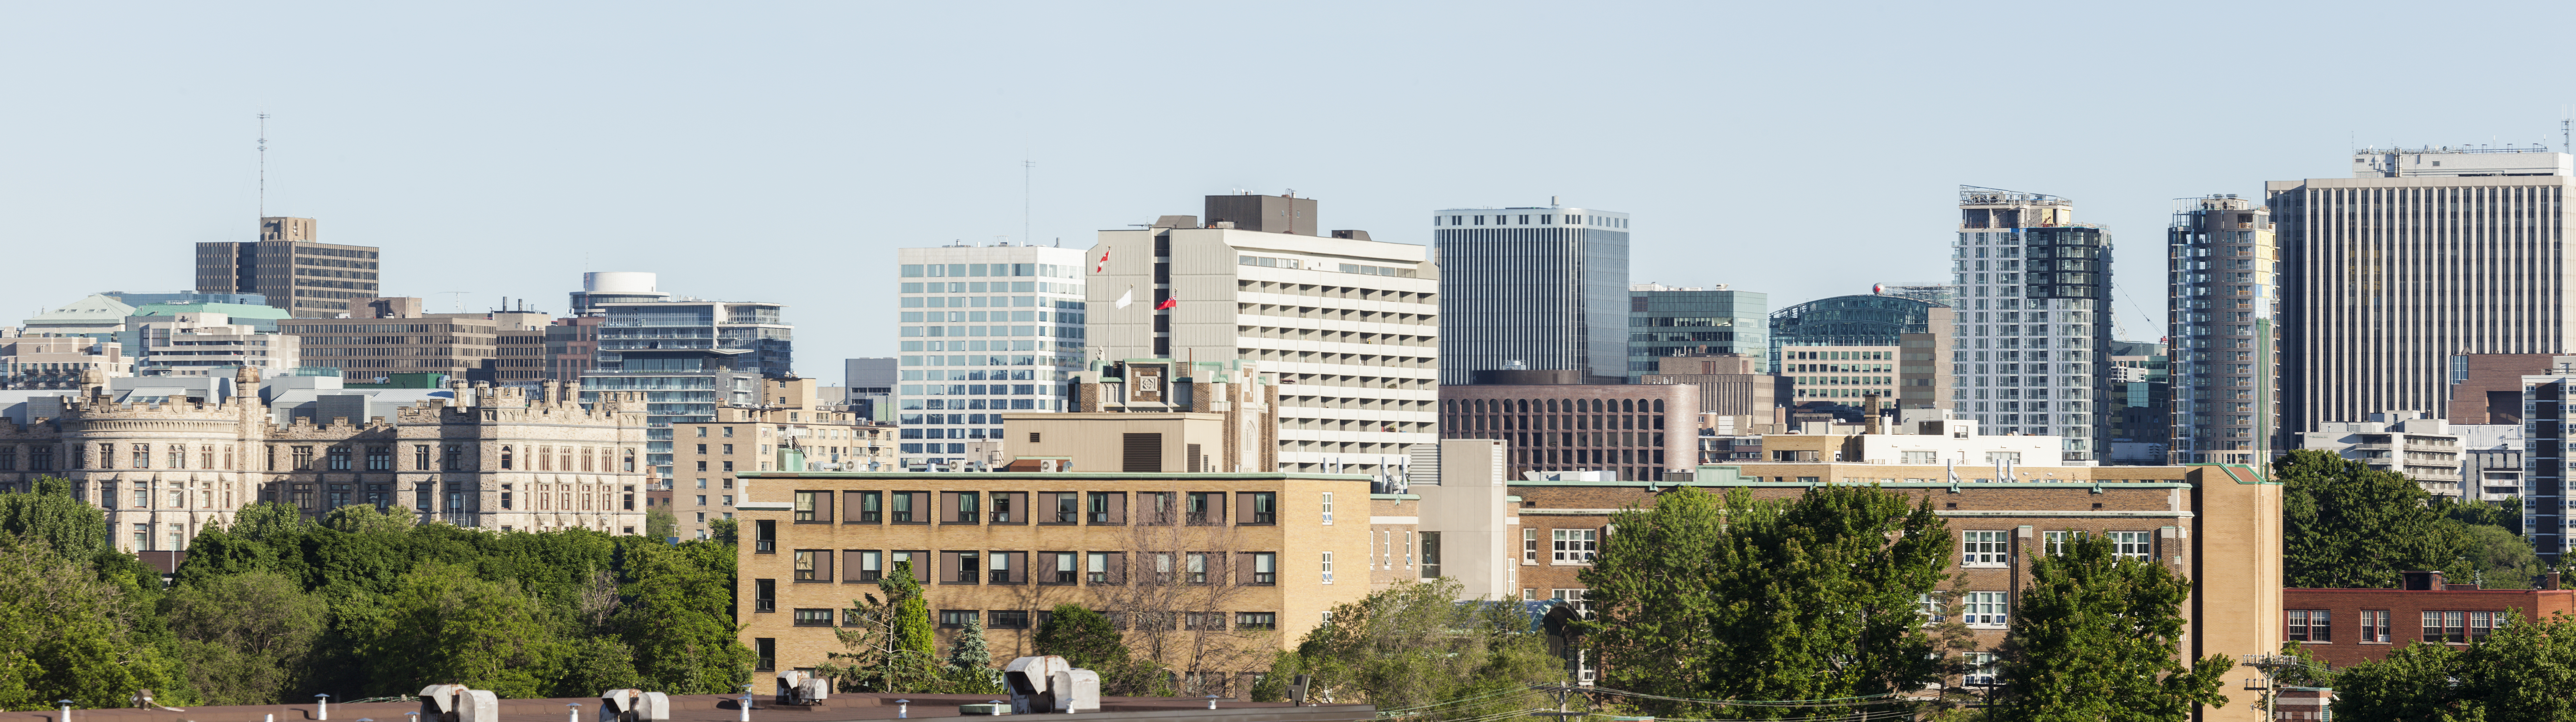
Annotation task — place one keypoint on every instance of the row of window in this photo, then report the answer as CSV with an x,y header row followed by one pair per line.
x,y
1024,619
1196,508
2316,626
1004,567
1993,548
301,457
1544,219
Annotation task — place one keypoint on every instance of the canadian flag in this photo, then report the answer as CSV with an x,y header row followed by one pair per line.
x,y
1103,265
1168,303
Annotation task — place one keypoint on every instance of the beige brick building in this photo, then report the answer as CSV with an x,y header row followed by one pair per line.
x,y
2217,525
747,439
1211,573
503,459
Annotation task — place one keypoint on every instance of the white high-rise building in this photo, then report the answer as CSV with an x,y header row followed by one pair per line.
x,y
983,331
2032,324
1346,326
1542,288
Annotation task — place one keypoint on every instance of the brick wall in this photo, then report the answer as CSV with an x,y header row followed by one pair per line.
x,y
2405,609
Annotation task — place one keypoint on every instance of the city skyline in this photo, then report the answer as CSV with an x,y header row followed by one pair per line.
x,y
442,158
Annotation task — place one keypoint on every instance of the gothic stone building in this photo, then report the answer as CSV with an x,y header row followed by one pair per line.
x,y
503,458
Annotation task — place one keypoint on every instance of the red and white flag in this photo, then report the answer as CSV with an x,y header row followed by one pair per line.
x,y
1168,302
1103,265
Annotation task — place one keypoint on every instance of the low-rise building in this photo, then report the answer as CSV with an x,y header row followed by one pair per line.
x,y
1553,422
788,426
2219,526
1224,568
58,362
2345,627
2407,442
1729,384
204,343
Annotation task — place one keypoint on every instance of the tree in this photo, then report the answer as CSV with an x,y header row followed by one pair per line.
x,y
445,625
2522,671
726,531
678,620
1087,640
2096,637
1812,598
1416,647
367,519
970,663
660,524
66,633
48,514
2346,526
890,645
244,639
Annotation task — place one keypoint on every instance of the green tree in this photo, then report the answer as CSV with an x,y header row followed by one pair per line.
x,y
2500,559
445,625
678,620
1415,647
1812,598
593,664
48,514
2412,684
2097,637
725,531
67,633
245,638
2346,525
367,519
1087,640
2521,672
970,663
890,645
660,524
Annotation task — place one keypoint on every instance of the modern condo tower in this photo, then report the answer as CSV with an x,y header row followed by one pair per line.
x,y
2222,317
2032,336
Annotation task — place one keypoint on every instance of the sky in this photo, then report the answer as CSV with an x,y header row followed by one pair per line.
x,y
780,151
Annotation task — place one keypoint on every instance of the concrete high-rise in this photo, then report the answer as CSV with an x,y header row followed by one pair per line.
x,y
1350,326
2422,255
2032,333
983,330
292,268
1542,289
2222,317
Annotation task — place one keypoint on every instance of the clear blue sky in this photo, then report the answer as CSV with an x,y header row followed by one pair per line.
x,y
778,151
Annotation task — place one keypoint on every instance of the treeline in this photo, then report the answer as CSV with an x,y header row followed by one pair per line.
x,y
361,604
2348,526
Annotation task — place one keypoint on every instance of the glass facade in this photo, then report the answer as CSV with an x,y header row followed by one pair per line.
x,y
983,331
2032,355
1672,321
1546,288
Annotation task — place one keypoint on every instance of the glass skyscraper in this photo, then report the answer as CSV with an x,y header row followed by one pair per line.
x,y
1546,288
2032,338
983,330
1683,320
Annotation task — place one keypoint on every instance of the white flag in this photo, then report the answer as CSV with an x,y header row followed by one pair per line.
x,y
1127,298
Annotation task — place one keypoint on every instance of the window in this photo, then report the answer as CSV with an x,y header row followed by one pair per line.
x,y
1328,567
1108,507
764,595
1981,670
1006,505
420,457
765,651
2132,544
1261,569
1007,619
339,458
960,507
1929,605
2460,627
1922,457
1009,567
955,618
903,502
1984,609
380,458
2374,626
1203,620
1263,621
1982,549
1058,568
2055,541
1103,568
963,567
1431,555
1328,508
1529,546
813,617
1198,568
1575,546
143,457
767,541
1260,507
1576,598
302,456
866,507
867,565
2310,625
1206,507
813,565
806,502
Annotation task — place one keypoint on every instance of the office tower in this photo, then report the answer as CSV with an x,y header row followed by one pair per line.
x,y
1730,385
1549,420
1833,352
2140,402
2222,321
1348,326
984,330
392,335
869,384
291,268
1693,321
1541,287
2033,288
2421,255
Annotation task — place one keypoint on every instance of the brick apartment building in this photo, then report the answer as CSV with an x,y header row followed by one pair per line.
x,y
2345,627
1239,564
2217,525
1552,422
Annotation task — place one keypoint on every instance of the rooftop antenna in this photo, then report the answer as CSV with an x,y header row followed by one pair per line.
x,y
459,298
263,165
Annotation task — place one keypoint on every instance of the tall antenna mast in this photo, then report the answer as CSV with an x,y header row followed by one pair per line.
x,y
263,165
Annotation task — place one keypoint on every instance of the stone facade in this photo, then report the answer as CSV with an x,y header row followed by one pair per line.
x,y
507,459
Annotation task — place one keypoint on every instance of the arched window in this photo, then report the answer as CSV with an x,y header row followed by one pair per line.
x,y
630,460
1659,406
506,457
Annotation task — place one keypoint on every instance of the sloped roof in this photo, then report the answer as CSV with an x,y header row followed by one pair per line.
x,y
96,309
